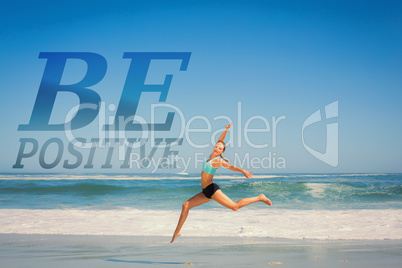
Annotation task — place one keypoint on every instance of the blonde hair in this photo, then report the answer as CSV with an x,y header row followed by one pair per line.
x,y
224,148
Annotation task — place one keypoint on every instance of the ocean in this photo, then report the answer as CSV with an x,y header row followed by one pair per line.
x,y
316,206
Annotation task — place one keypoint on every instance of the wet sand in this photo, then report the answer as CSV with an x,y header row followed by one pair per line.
x,y
18,250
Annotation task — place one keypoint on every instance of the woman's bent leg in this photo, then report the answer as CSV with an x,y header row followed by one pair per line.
x,y
225,201
196,200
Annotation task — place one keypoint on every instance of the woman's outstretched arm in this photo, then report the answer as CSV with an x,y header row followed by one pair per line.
x,y
222,137
247,174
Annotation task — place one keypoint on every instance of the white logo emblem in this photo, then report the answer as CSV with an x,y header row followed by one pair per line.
x,y
330,156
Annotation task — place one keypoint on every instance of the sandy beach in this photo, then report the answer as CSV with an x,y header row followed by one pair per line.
x,y
273,223
131,251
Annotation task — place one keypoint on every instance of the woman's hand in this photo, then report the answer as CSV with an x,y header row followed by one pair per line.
x,y
222,137
247,174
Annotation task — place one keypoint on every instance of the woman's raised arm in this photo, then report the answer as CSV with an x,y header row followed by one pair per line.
x,y
222,137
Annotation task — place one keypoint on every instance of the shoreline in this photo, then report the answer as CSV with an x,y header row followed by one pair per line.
x,y
21,250
265,222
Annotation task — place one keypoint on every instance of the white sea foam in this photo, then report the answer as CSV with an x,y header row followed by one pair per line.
x,y
316,190
275,223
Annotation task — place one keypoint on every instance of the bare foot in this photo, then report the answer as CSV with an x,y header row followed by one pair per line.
x,y
175,236
265,200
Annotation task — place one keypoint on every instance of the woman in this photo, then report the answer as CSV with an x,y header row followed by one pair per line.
x,y
211,190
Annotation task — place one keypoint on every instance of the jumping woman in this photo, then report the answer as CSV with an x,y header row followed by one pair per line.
x,y
211,190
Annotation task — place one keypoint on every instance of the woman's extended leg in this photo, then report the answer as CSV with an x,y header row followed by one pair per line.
x,y
225,201
196,200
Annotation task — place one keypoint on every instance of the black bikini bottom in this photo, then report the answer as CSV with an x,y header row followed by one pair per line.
x,y
210,190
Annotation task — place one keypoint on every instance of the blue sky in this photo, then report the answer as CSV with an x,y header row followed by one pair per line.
x,y
275,58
